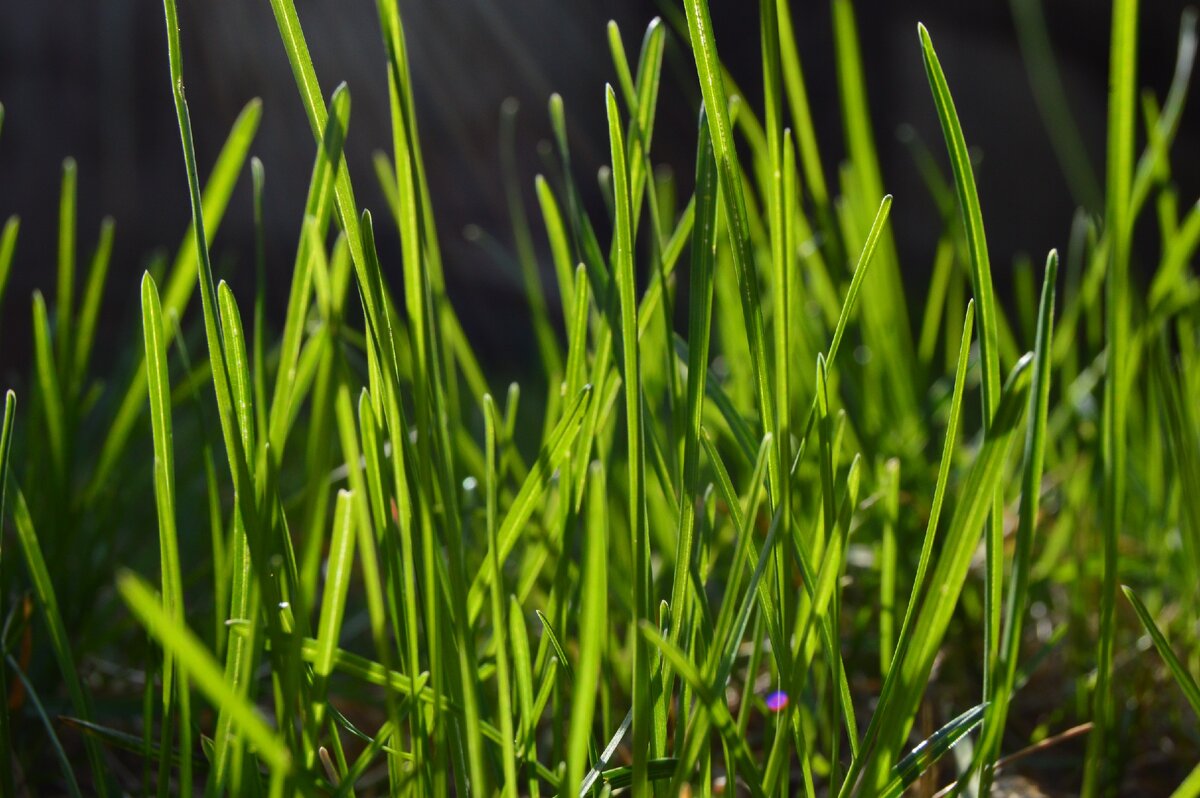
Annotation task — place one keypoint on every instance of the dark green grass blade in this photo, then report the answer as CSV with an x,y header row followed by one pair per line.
x,y
1178,670
60,753
60,643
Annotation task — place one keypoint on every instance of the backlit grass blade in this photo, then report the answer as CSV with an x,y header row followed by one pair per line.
x,y
164,494
1031,488
703,258
333,600
203,669
1099,772
8,247
1182,677
89,309
928,752
623,273
981,286
949,574
60,642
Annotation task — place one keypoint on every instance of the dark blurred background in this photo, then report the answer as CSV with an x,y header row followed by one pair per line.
x,y
88,79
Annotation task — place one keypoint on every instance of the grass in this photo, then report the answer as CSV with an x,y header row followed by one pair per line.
x,y
774,548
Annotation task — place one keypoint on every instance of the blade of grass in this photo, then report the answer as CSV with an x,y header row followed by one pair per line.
x,y
89,309
164,494
1100,771
981,286
1178,670
60,642
593,625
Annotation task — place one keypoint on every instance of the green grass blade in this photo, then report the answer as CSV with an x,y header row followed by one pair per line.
x,y
164,494
1184,679
59,752
623,273
8,247
89,309
981,286
333,600
60,642
499,621
928,752
1099,772
593,626
50,394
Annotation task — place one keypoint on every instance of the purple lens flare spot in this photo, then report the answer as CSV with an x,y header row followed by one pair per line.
x,y
777,701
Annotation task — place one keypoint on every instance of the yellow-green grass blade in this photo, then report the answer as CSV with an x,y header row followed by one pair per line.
x,y
164,494
89,309
1031,487
981,286
8,248
203,669
60,642
703,257
1099,771
181,282
949,576
623,273
333,601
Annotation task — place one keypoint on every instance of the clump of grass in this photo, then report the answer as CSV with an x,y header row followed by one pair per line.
x,y
756,571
